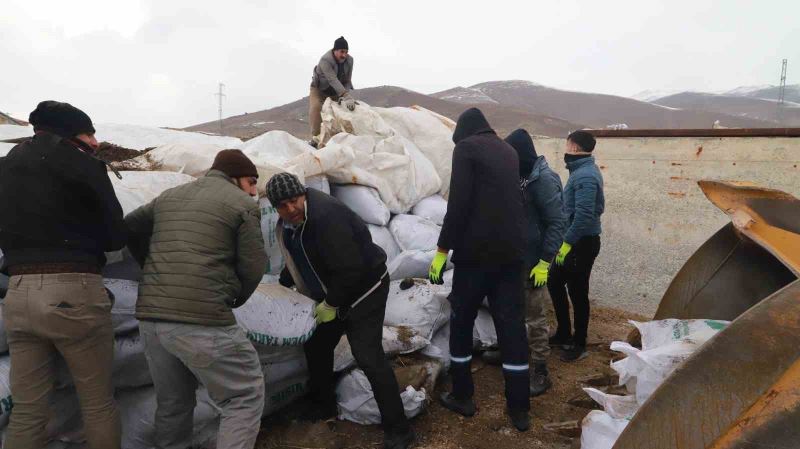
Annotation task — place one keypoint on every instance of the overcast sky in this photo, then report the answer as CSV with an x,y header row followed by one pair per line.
x,y
158,62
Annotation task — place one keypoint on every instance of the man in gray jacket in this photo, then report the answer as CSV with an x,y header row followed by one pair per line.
x,y
332,78
541,190
203,255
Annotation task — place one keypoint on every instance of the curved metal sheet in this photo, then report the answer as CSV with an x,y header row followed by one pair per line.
x,y
711,391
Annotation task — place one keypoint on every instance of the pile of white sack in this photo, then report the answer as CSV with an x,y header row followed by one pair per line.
x,y
390,165
666,344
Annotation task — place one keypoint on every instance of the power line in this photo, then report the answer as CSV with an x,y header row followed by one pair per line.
x,y
220,95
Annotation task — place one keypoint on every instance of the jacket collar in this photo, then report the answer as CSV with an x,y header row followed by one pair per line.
x,y
574,165
213,173
538,165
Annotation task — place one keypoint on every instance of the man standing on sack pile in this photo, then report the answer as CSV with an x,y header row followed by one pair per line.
x,y
584,203
62,215
332,78
330,257
541,190
203,254
484,226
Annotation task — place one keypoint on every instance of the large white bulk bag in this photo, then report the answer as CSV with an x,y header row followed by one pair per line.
x,y
423,308
123,312
413,264
356,402
414,233
383,238
6,403
269,219
277,316
130,368
434,208
395,340
364,201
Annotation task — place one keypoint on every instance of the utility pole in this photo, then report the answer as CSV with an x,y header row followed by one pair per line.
x,y
220,95
782,92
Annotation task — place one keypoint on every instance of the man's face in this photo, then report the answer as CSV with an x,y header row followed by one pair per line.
x,y
340,55
88,139
293,210
573,148
248,185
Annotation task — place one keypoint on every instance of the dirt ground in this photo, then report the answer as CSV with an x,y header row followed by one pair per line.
x,y
438,428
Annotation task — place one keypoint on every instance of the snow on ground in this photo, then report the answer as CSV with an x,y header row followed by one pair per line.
x,y
650,95
744,90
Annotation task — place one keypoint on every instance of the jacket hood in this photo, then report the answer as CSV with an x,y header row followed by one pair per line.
x,y
539,164
522,142
471,122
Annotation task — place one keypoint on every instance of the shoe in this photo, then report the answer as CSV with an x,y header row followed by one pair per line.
x,y
401,440
492,357
463,407
540,381
573,353
520,419
557,340
316,411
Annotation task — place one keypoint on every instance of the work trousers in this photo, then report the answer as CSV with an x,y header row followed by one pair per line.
x,y
364,328
536,321
70,314
574,275
503,287
316,98
219,357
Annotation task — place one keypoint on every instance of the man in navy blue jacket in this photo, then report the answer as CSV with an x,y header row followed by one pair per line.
x,y
584,203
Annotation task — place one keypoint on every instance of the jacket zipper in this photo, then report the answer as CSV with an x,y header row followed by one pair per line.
x,y
303,247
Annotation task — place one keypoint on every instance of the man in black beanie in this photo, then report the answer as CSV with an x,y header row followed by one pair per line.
x,y
330,257
541,191
62,216
332,78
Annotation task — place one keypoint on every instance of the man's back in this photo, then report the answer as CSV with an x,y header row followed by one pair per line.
x,y
197,264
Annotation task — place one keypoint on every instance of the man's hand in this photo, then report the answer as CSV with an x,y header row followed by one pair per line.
x,y
349,102
539,273
562,253
324,313
437,268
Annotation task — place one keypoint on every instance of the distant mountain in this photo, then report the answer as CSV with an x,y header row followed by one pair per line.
x,y
742,106
771,93
293,117
600,110
655,94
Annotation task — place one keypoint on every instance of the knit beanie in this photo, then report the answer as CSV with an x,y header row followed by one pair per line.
x,y
234,164
340,44
522,142
61,119
284,186
583,139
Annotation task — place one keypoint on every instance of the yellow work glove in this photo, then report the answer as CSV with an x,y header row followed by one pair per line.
x,y
562,253
437,268
539,273
324,313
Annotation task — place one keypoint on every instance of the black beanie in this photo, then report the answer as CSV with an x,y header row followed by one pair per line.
x,y
61,119
234,164
284,186
583,139
340,44
522,142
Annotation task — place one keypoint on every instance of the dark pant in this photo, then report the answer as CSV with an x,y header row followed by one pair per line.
x,y
574,274
364,328
503,286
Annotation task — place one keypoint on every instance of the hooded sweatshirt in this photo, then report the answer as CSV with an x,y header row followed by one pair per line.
x,y
484,224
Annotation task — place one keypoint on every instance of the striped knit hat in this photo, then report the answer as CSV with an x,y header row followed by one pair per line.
x,y
284,186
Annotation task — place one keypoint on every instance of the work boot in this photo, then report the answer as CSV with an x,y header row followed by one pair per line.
x,y
574,352
520,419
492,357
463,407
560,340
319,411
540,381
399,440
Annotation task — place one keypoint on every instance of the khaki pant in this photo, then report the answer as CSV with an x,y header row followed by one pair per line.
x,y
316,98
68,314
224,361
536,322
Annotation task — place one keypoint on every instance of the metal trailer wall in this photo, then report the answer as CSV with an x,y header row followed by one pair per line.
x,y
656,216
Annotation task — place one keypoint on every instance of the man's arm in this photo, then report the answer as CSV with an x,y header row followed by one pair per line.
x,y
329,71
349,82
549,206
95,175
459,204
286,278
140,224
585,202
251,260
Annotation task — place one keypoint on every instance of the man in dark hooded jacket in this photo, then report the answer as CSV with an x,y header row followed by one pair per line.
x,y
541,190
484,226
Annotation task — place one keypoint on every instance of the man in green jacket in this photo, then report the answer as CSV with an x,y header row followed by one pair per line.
x,y
203,254
332,78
